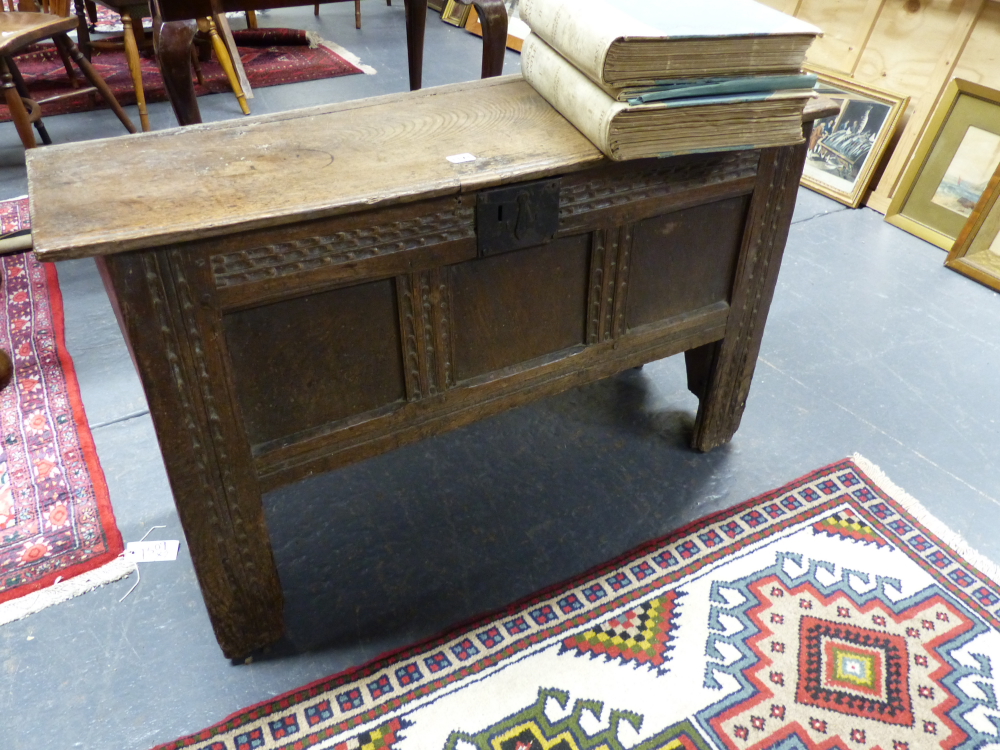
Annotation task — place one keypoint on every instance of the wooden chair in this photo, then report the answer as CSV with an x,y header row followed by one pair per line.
x,y
133,37
357,10
26,26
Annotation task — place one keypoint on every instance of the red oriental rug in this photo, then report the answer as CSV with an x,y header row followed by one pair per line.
x,y
830,614
270,57
56,523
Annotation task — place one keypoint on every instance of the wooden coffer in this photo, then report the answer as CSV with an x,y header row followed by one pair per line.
x,y
349,336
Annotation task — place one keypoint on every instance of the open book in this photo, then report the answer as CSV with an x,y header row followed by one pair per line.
x,y
620,43
674,126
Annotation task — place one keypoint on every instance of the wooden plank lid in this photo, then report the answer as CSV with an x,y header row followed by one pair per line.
x,y
115,195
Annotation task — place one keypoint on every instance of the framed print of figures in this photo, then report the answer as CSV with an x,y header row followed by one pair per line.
x,y
977,250
844,150
951,165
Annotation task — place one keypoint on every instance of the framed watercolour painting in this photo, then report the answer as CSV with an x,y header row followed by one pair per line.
x,y
951,165
977,250
845,149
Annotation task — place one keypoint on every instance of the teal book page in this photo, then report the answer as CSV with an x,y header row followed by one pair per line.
x,y
718,87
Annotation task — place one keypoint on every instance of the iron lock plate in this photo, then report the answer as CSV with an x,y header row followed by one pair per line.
x,y
517,216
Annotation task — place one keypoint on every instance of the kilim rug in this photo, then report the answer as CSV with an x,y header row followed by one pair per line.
x,y
830,614
270,57
57,532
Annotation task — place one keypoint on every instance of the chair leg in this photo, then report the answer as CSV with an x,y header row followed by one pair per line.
x,y
316,9
70,71
83,27
196,64
252,19
357,14
22,89
95,79
18,112
222,53
91,7
135,66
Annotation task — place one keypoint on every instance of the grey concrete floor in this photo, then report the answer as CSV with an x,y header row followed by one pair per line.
x,y
872,346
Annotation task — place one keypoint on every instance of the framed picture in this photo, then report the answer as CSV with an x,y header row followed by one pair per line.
x,y
976,252
437,5
951,165
845,149
517,29
456,13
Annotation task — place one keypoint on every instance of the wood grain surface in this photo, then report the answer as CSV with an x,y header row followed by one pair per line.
x,y
300,165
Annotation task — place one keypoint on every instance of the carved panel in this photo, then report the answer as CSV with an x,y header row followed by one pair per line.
x,y
610,189
424,319
609,266
309,253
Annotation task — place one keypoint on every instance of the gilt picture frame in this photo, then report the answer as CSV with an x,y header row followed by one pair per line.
x,y
951,165
517,29
456,13
845,149
976,252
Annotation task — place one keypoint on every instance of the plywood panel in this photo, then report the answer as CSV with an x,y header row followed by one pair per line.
x,y
980,61
785,6
846,25
906,44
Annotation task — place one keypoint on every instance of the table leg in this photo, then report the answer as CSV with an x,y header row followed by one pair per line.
x,y
173,52
416,21
720,373
493,17
164,301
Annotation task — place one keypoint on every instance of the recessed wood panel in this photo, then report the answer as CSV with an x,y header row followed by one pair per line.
x,y
684,260
517,306
305,362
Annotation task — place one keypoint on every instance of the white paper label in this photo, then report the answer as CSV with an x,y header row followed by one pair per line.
x,y
160,551
460,158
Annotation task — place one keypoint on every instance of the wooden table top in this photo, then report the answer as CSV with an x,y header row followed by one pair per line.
x,y
119,194
148,190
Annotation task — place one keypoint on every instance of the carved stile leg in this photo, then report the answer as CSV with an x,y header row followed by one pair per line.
x,y
164,298
720,373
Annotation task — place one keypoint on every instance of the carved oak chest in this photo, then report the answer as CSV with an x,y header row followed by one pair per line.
x,y
305,290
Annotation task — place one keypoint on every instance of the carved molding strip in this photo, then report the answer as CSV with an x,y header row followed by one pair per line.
x,y
424,319
611,251
609,190
285,258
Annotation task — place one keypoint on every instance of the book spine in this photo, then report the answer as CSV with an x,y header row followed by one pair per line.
x,y
574,96
575,28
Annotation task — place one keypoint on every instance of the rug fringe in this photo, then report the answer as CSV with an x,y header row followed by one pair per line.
x,y
914,507
353,59
18,609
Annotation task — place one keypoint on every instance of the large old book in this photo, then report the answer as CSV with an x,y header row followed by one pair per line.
x,y
621,43
674,126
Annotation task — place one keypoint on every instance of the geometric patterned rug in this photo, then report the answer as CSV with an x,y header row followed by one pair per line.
x,y
830,614
56,522
270,57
